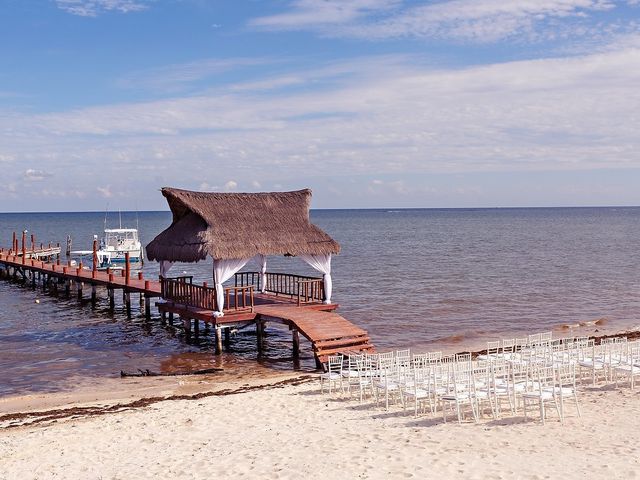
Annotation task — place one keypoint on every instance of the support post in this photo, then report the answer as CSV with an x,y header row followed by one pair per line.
x,y
127,302
218,340
79,286
94,293
127,268
24,247
259,336
170,318
196,327
94,268
112,300
227,337
147,307
296,342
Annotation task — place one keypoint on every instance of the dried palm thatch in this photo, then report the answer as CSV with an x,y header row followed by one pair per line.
x,y
238,225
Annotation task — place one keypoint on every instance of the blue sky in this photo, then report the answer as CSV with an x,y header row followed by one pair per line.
x,y
371,103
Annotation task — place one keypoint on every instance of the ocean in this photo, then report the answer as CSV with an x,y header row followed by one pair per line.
x,y
427,279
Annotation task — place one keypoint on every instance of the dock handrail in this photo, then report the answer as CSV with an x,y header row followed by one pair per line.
x,y
304,289
182,290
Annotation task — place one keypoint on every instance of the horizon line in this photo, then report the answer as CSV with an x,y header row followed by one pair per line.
x,y
351,208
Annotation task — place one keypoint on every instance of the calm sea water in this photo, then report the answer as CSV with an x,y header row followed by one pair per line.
x,y
427,279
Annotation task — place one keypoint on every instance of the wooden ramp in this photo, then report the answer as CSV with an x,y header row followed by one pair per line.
x,y
328,332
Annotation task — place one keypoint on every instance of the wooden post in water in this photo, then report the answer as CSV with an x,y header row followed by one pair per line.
x,y
170,318
94,269
14,243
127,302
196,327
24,247
127,268
147,302
296,342
112,300
259,333
33,242
227,337
218,340
94,293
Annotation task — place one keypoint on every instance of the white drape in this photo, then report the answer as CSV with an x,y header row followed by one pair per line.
x,y
263,272
165,266
223,270
322,263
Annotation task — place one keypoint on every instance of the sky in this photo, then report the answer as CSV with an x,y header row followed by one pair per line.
x,y
370,103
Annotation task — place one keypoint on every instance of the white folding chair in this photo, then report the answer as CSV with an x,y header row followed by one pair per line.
x,y
333,375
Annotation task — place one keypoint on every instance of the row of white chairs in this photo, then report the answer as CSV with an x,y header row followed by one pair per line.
x,y
542,372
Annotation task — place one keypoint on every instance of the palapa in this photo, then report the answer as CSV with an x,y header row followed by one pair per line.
x,y
238,225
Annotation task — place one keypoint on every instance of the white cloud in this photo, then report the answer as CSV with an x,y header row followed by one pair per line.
x,y
576,113
93,8
306,13
230,186
34,175
174,78
467,20
105,192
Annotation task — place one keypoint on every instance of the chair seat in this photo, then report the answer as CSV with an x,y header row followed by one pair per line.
x,y
330,376
417,393
564,391
633,369
590,363
461,396
544,395
388,386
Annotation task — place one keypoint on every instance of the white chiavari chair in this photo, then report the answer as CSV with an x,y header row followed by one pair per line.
x,y
333,375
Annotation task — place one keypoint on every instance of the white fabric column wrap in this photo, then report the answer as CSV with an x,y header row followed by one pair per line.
x,y
223,270
322,263
165,266
263,273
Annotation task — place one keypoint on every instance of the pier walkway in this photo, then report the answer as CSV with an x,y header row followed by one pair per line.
x,y
302,310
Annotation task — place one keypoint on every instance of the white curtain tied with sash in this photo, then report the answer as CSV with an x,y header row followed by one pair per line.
x,y
165,266
223,270
263,273
322,263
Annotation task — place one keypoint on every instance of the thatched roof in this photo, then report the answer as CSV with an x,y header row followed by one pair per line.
x,y
238,225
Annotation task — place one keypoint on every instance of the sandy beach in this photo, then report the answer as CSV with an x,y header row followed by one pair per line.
x,y
285,428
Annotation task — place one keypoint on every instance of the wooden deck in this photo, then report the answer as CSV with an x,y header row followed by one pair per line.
x,y
327,331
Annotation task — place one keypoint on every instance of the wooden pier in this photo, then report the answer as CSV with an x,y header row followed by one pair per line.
x,y
293,300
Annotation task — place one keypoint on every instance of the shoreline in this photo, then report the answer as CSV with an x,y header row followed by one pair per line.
x,y
111,395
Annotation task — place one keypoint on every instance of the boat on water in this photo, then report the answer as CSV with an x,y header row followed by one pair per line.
x,y
114,246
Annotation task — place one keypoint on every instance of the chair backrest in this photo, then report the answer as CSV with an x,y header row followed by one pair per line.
x,y
534,338
448,359
353,359
463,357
544,375
403,357
493,348
508,345
566,375
419,360
334,363
521,343
434,357
386,360
546,336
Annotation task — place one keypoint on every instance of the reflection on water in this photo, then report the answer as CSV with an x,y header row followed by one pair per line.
x,y
422,278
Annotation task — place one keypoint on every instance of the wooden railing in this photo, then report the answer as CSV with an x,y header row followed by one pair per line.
x,y
182,290
304,289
